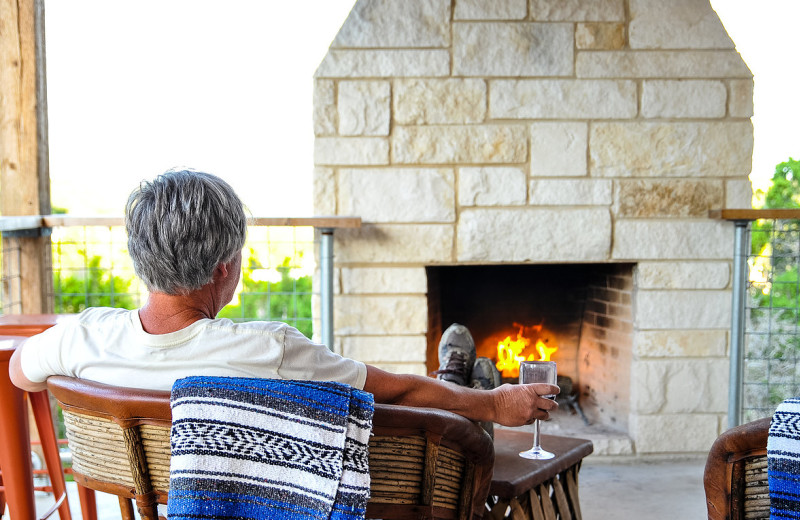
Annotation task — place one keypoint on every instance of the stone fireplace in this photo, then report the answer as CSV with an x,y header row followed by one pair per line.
x,y
566,149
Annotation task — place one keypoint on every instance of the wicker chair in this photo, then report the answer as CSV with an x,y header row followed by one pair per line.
x,y
424,463
735,476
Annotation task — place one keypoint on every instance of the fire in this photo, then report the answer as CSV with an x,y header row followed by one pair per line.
x,y
511,352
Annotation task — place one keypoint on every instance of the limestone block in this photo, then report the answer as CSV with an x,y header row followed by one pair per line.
x,y
316,285
678,433
738,194
559,149
552,235
324,107
600,36
351,150
578,10
683,275
681,343
495,10
684,99
639,240
385,349
439,101
384,63
364,107
609,446
460,144
680,386
324,191
699,309
398,195
677,24
382,244
491,186
564,192
644,198
740,100
387,23
696,149
562,99
661,64
385,280
518,49
393,315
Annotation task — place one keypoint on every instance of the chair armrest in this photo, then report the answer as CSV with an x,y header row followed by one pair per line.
x,y
734,446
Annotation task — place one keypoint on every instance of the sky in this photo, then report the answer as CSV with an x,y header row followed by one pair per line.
x,y
135,88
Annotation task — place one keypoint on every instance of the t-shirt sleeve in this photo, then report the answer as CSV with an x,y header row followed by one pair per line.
x,y
42,355
305,360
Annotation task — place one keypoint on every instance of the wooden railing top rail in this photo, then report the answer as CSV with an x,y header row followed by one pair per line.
x,y
755,214
47,221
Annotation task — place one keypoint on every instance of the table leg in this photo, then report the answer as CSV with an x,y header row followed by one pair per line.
x,y
15,452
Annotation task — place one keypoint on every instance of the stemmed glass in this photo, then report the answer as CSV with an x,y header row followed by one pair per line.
x,y
537,372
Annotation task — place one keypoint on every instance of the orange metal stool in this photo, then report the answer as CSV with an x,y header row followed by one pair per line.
x,y
14,434
15,453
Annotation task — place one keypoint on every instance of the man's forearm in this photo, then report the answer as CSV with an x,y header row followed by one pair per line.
x,y
510,405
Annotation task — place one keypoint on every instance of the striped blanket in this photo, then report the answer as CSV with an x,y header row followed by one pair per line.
x,y
264,448
783,461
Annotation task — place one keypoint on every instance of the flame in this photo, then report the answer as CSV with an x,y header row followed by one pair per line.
x,y
511,352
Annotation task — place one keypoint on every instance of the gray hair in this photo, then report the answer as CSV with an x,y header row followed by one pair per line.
x,y
180,227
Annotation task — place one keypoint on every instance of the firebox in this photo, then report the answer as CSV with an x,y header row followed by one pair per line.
x,y
578,315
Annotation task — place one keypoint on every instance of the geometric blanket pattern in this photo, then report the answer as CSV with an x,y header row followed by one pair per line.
x,y
783,461
246,448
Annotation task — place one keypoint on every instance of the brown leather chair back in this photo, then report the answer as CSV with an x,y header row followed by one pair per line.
x,y
424,463
735,476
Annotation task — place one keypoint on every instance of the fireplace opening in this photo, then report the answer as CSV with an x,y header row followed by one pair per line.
x,y
579,315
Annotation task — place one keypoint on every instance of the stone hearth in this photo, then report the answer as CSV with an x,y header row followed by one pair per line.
x,y
524,132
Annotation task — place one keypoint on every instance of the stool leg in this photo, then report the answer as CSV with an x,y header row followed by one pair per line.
x,y
2,495
15,448
88,503
40,402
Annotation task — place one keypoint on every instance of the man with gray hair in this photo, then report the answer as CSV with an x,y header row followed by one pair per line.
x,y
186,230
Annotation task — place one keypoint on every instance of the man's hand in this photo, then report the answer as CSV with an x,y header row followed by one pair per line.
x,y
516,405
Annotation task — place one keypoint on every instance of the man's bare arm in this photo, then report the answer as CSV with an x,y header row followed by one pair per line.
x,y
509,405
15,371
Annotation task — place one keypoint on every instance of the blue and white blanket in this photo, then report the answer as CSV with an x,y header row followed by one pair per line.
x,y
264,448
783,461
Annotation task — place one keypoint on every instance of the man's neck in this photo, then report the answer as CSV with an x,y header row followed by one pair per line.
x,y
165,313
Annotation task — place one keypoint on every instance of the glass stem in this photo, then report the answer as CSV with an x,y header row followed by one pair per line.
x,y
536,434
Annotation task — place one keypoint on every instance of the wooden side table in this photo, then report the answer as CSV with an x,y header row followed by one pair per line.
x,y
525,489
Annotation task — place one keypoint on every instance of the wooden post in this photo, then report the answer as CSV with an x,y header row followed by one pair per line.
x,y
24,173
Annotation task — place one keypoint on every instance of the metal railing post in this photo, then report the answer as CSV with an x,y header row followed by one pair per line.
x,y
737,322
326,285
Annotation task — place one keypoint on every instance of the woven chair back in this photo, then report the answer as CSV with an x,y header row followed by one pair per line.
x,y
735,476
424,463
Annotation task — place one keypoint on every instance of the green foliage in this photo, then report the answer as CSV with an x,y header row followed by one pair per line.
x,y
785,189
287,300
91,287
775,290
783,193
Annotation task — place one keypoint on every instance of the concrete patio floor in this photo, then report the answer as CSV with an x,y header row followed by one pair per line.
x,y
663,490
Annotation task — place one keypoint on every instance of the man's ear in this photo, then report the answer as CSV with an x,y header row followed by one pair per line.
x,y
221,271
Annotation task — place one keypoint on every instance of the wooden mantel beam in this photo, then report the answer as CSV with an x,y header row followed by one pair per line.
x,y
24,175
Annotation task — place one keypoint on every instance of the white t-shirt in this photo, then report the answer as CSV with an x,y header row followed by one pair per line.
x,y
110,346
